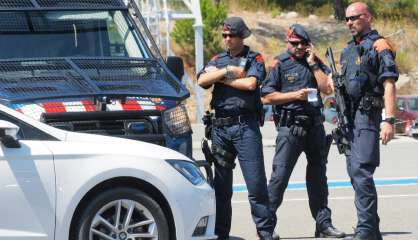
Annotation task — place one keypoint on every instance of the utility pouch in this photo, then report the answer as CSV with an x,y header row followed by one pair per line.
x,y
222,157
207,121
300,125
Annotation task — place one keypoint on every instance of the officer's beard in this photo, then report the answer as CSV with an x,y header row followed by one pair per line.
x,y
300,54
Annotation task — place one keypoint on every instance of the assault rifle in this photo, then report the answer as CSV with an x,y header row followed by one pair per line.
x,y
340,134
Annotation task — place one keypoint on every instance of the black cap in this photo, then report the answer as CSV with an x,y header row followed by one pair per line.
x,y
237,26
297,32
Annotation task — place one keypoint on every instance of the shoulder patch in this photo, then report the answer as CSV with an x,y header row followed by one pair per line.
x,y
383,44
259,58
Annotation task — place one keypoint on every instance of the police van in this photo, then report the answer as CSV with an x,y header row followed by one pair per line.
x,y
91,66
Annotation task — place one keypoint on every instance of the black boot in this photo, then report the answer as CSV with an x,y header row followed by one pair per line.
x,y
276,236
329,232
268,236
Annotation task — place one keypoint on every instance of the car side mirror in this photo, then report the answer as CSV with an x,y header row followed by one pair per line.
x,y
175,64
8,134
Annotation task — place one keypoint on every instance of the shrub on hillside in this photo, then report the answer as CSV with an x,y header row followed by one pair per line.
x,y
394,9
213,16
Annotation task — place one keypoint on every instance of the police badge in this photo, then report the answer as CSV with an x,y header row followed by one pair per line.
x,y
291,77
358,60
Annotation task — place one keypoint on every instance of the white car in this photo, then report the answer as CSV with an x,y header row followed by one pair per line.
x,y
63,185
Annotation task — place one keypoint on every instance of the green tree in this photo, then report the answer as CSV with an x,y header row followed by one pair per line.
x,y
339,9
213,16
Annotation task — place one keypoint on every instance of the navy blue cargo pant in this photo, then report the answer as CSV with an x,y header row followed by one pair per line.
x,y
361,165
244,141
288,150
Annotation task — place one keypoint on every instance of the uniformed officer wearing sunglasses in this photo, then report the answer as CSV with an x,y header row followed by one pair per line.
x,y
293,87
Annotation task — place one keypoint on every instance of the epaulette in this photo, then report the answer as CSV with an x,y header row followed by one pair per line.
x,y
383,44
284,57
259,58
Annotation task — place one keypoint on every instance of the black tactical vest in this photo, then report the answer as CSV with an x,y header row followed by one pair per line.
x,y
360,65
230,100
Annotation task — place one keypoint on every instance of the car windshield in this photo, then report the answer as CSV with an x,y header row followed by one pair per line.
x,y
39,34
412,104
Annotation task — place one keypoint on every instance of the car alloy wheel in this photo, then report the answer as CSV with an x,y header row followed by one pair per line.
x,y
123,219
121,214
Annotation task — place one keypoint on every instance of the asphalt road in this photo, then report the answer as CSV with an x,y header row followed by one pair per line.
x,y
397,180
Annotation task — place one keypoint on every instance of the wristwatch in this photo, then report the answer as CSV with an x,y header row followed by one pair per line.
x,y
314,66
390,120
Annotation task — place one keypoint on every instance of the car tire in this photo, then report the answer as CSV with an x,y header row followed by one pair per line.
x,y
100,215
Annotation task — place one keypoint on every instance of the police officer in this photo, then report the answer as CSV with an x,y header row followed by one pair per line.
x,y
370,73
236,75
293,87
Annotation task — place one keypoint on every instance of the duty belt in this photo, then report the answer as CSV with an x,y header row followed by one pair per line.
x,y
287,118
227,121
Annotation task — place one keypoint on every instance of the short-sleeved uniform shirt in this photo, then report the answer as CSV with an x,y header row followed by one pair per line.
x,y
290,74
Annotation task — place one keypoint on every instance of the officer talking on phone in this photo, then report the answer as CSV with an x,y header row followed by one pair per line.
x,y
293,87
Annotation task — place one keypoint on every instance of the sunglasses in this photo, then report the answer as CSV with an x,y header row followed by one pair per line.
x,y
295,44
353,18
225,35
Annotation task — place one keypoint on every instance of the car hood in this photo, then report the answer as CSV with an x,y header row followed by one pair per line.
x,y
114,145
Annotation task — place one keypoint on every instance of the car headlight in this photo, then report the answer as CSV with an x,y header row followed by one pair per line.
x,y
189,170
177,120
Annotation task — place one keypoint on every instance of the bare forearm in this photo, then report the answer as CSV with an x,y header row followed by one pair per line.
x,y
278,98
245,84
390,97
322,81
207,79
